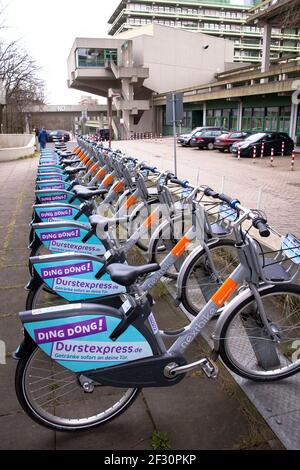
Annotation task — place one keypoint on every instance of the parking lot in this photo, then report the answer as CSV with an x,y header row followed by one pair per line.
x,y
244,178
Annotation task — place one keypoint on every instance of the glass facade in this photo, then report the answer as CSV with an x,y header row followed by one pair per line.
x,y
95,57
216,17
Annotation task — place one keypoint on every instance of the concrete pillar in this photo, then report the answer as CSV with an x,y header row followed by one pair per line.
x,y
240,116
265,63
293,121
26,118
127,125
204,114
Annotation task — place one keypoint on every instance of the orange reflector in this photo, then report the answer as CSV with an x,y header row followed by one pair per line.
x,y
88,163
94,168
118,187
181,246
130,201
75,150
224,292
85,159
108,180
150,220
100,174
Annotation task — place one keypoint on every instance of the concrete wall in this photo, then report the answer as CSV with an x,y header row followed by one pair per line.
x,y
14,146
60,120
176,58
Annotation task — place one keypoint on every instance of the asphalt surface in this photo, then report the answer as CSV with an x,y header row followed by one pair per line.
x,y
274,189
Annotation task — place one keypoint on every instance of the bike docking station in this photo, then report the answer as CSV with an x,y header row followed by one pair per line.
x,y
90,317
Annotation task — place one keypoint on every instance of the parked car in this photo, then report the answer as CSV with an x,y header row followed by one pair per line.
x,y
104,134
185,139
225,141
271,140
58,136
206,139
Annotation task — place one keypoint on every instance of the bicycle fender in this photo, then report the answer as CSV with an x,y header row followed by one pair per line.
x,y
189,259
228,309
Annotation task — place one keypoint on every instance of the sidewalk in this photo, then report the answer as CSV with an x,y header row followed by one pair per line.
x,y
195,414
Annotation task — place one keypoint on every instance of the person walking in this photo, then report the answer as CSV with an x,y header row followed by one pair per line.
x,y
36,133
43,138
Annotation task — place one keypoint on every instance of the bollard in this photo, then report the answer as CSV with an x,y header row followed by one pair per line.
x,y
282,149
151,136
161,137
293,161
262,150
239,152
272,157
254,154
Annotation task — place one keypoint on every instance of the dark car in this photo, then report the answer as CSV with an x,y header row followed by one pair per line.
x,y
271,140
185,139
206,139
104,134
58,136
226,141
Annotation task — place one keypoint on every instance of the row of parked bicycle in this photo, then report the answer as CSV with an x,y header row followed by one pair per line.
x,y
91,341
239,143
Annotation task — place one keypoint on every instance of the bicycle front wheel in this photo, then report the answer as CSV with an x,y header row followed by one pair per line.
x,y
201,279
54,396
246,346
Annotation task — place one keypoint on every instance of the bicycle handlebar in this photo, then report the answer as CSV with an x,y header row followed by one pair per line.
x,y
152,169
183,183
261,225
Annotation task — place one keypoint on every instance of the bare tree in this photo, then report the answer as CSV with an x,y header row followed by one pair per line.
x,y
22,85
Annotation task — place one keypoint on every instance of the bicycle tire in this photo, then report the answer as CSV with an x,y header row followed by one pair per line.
x,y
34,411
242,369
185,300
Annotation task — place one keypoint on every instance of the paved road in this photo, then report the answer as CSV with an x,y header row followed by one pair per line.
x,y
243,178
196,414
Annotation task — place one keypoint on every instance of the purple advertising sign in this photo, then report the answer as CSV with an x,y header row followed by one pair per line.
x,y
59,197
70,331
67,270
55,186
56,213
60,234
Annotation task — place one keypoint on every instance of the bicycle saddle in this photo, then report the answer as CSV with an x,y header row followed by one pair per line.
x,y
86,193
69,161
73,171
126,275
101,222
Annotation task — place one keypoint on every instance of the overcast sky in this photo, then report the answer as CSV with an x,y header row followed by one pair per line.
x,y
47,30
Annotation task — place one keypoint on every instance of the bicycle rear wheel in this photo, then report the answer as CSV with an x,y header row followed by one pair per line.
x,y
54,396
245,344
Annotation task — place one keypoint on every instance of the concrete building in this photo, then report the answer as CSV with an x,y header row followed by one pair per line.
x,y
134,65
219,18
66,117
139,67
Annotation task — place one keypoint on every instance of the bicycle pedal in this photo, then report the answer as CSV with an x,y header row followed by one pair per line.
x,y
210,369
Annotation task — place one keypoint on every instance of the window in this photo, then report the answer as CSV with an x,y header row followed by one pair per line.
x,y
271,111
258,112
285,111
95,57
